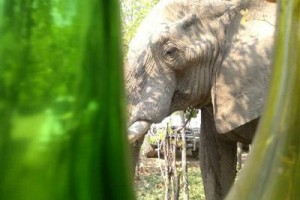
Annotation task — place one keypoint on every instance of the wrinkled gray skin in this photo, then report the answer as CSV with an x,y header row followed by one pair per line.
x,y
203,54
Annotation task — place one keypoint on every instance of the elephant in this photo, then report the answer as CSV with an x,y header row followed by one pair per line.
x,y
215,55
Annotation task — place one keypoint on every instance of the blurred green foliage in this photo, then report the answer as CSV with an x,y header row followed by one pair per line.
x,y
62,105
35,48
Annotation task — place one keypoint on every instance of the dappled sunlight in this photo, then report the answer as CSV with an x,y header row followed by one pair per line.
x,y
215,56
242,85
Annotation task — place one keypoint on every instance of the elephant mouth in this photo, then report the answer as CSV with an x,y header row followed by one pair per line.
x,y
137,130
181,100
140,126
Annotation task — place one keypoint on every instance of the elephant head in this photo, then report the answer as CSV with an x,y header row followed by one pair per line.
x,y
187,53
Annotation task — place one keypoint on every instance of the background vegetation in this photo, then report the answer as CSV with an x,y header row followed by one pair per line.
x,y
133,12
150,185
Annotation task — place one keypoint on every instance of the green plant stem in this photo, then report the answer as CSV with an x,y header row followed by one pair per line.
x,y
273,169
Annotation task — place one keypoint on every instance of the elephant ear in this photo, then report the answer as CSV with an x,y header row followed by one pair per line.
x,y
240,87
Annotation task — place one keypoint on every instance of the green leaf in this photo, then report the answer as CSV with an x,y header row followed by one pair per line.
x,y
273,169
62,105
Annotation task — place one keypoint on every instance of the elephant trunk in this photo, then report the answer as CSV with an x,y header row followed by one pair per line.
x,y
137,130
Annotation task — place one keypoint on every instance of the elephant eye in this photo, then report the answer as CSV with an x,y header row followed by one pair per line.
x,y
170,51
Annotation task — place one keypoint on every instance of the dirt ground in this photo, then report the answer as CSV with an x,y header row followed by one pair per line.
x,y
149,184
153,164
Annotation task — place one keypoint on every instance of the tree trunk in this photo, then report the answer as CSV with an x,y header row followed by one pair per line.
x,y
168,166
175,175
184,160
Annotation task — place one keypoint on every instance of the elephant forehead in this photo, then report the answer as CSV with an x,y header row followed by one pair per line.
x,y
176,10
158,22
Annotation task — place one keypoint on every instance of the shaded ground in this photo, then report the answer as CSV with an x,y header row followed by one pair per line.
x,y
150,184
